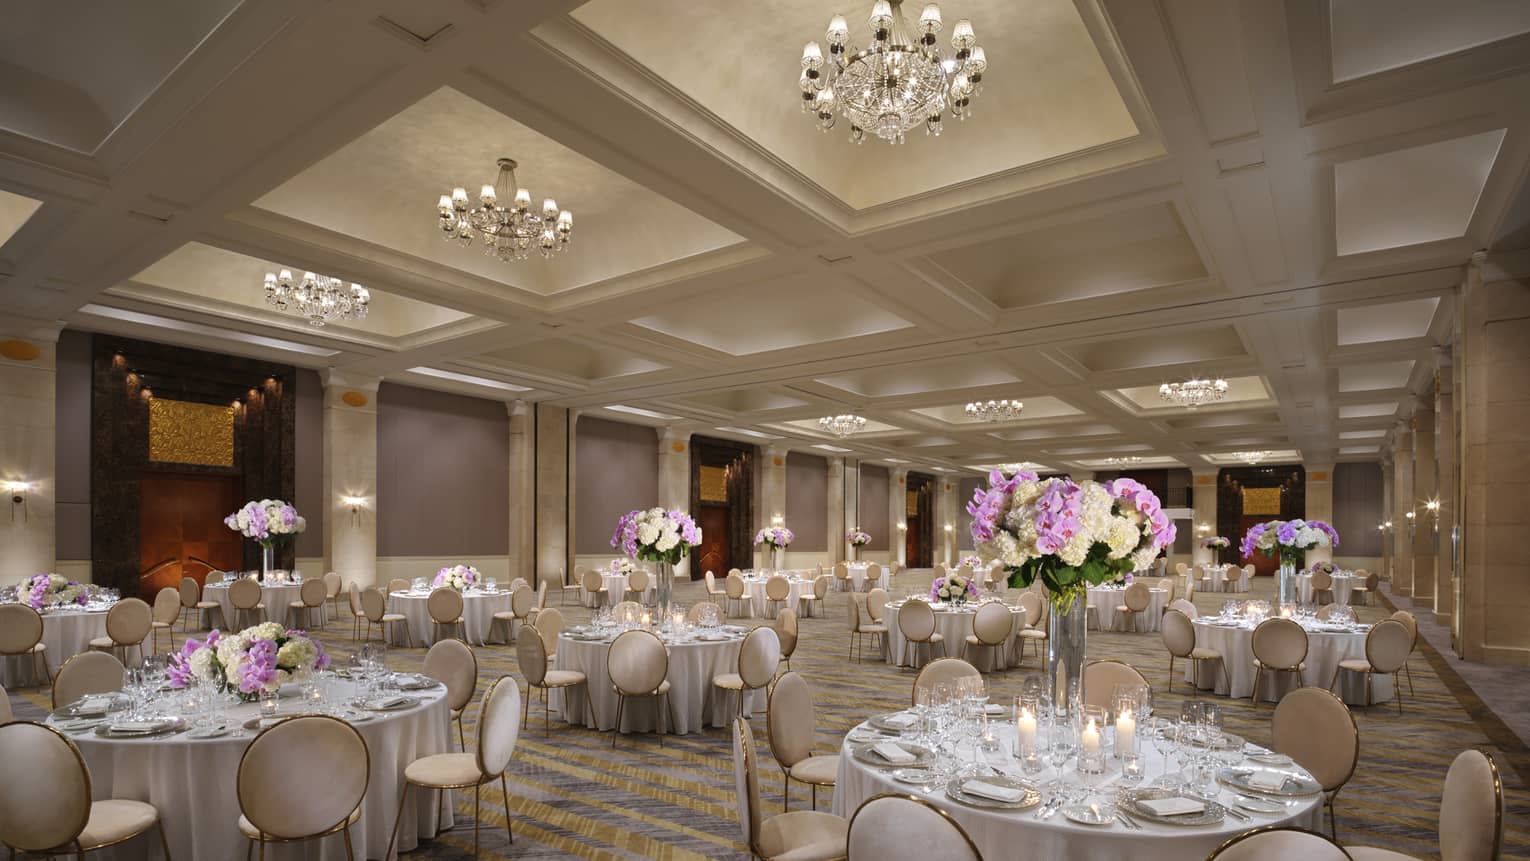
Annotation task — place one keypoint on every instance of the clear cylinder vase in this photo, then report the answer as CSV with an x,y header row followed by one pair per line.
x,y
267,561
1287,582
855,553
664,586
775,557
1067,633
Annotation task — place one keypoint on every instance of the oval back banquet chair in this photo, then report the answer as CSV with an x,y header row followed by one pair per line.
x,y
876,605
128,623
398,584
873,577
809,596
594,587
244,597
860,630
532,657
445,608
992,626
512,619
45,798
1035,629
714,593
499,727
1386,650
1101,678
778,590
941,670
1471,814
802,835
758,658
790,726
311,597
916,621
21,631
1133,606
332,757
87,673
1279,843
1280,646
333,586
549,625
6,716
893,826
1411,622
1322,587
375,606
452,663
703,613
787,631
166,610
1179,638
637,584
638,666
1316,729
734,589
842,576
1185,607
193,601
357,613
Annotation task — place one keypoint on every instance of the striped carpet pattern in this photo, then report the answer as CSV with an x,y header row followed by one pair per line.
x,y
573,796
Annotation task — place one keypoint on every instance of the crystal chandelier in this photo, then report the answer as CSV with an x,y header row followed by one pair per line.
x,y
508,233
842,425
320,298
1193,392
901,79
994,411
1252,458
1123,462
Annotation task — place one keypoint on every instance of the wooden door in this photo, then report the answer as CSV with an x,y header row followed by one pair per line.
x,y
181,531
715,555
1264,566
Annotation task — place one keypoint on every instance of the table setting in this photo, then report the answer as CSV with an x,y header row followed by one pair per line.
x,y
73,614
1076,782
858,576
277,591
481,599
1106,597
953,620
1340,637
759,604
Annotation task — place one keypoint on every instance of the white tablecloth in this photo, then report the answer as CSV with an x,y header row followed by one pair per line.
x,y
276,597
192,782
66,634
1324,652
1343,586
858,576
954,625
1105,601
1019,834
478,609
694,701
759,605
1225,578
616,590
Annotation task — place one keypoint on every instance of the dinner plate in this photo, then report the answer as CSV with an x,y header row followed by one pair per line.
x,y
1296,783
390,704
1089,814
1212,814
859,735
923,756
1030,798
414,682
913,776
208,732
880,721
260,723
168,726
1270,758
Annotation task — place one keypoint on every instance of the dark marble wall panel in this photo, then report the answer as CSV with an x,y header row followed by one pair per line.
x,y
308,438
1357,503
72,446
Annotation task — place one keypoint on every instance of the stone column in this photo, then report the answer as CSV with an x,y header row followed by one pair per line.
x,y
897,507
1320,505
554,493
523,504
945,520
852,500
836,509
1387,507
1445,483
28,468
350,476
1203,499
1423,491
675,481
772,509
1402,502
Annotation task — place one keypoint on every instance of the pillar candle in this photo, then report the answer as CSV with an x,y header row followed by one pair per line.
x,y
1025,729
1089,743
1126,733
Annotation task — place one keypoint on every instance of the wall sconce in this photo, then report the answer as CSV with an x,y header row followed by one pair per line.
x,y
1412,519
950,528
356,503
777,520
18,493
1203,528
902,527
1433,507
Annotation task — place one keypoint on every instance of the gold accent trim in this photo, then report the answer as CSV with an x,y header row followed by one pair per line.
x,y
923,803
20,351
354,398
186,432
1261,501
714,484
1257,831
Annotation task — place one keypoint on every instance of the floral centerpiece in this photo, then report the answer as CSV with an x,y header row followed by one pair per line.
x,y
268,522
775,539
954,589
857,539
261,658
45,591
661,537
1289,541
1068,535
1325,567
622,565
459,577
1216,544
973,562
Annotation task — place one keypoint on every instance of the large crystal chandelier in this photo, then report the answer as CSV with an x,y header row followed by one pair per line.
x,y
1123,462
994,411
507,232
1193,392
320,298
901,79
842,425
1252,458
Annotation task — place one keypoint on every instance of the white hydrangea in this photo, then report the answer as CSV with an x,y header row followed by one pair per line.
x,y
1122,537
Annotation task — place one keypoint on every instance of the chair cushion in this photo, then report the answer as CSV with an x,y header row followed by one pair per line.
x,y
1301,666
729,681
296,605
821,769
1370,853
114,820
663,686
562,678
804,835
248,829
155,625
208,605
1034,634
874,628
1201,653
444,769
394,617
504,616
1359,665
102,643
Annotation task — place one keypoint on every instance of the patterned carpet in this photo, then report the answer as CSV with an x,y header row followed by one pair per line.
x,y
573,796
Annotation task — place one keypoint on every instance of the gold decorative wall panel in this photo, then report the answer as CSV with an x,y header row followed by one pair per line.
x,y
1261,501
714,484
911,504
185,432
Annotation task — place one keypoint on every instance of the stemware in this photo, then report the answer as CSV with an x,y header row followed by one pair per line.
x,y
1162,733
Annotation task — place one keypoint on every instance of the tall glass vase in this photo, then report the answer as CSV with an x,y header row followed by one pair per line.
x,y
267,561
775,556
1066,635
664,585
855,552
1287,581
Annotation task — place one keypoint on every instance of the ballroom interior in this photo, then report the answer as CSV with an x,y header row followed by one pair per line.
x,y
428,303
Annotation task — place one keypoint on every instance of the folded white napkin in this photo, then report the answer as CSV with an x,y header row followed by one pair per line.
x,y
893,753
902,720
137,724
1175,806
993,709
1267,780
389,702
984,789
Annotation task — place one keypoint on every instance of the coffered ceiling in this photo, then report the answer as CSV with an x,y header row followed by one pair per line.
x,y
1282,194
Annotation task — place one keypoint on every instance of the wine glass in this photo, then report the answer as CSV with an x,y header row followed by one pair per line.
x,y
1061,741
1161,732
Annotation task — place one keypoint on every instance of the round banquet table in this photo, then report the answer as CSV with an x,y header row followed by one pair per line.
x,y
858,576
478,609
193,784
953,623
276,597
616,590
1224,578
1000,833
693,700
759,605
66,633
1343,586
1325,649
1105,600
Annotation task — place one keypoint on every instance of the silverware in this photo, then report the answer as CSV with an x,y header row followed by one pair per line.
x,y
1125,820
1237,814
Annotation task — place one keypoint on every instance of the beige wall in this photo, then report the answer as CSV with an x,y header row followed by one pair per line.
x,y
27,401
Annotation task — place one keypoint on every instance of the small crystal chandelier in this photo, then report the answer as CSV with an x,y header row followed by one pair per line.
x,y
1193,392
897,82
508,233
994,411
1123,462
842,425
1252,458
320,298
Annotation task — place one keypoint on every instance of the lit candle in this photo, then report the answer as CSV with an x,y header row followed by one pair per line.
x,y
647,620
1025,729
1126,733
1089,744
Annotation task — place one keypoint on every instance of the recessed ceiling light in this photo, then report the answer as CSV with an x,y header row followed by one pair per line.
x,y
638,411
747,432
159,322
469,379
834,448
894,460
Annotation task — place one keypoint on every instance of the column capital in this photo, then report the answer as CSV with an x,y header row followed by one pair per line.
x,y
517,408
836,465
1324,469
332,378
1210,472
673,440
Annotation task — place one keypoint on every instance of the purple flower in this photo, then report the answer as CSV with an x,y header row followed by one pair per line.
x,y
1286,533
1250,542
